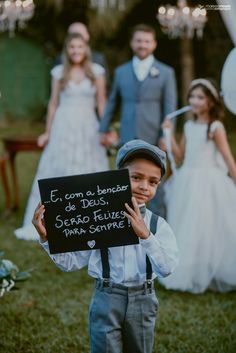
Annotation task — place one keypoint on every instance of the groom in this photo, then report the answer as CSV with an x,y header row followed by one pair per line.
x,y
146,89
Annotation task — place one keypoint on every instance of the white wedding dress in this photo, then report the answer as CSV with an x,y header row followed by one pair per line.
x,y
73,147
201,209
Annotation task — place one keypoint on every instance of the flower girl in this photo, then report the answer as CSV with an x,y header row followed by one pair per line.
x,y
201,197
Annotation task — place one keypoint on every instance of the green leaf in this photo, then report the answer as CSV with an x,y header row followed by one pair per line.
x,y
4,272
9,265
22,276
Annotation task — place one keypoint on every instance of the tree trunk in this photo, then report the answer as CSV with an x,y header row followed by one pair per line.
x,y
187,65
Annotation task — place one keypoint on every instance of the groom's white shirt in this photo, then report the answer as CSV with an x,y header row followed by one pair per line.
x,y
142,67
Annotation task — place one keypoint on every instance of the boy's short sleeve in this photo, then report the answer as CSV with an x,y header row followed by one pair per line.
x,y
57,71
98,70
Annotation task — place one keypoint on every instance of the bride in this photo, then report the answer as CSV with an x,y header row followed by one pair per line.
x,y
71,137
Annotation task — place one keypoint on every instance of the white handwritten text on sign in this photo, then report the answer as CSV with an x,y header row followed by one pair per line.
x,y
87,211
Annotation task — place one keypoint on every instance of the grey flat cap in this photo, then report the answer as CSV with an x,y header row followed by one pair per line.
x,y
139,147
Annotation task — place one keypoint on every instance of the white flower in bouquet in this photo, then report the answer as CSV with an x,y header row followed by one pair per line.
x,y
9,274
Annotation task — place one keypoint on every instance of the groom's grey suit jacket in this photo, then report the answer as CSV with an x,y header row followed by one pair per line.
x,y
144,104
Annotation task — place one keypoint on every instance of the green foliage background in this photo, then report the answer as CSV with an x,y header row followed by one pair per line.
x,y
24,79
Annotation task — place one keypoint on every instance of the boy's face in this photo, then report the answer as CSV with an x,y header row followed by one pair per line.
x,y
145,177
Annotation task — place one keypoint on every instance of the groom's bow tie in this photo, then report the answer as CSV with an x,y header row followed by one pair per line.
x,y
142,209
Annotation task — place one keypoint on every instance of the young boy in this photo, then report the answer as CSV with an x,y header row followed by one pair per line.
x,y
123,309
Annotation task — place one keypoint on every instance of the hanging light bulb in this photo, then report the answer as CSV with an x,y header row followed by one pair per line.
x,y
182,20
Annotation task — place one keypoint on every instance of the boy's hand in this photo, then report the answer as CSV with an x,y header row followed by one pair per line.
x,y
136,220
38,222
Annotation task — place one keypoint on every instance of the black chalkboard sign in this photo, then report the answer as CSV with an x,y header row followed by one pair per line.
x,y
84,212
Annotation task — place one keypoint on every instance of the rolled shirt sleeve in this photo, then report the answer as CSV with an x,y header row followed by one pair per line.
x,y
70,261
162,249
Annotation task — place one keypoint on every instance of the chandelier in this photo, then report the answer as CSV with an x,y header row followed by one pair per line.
x,y
103,5
182,20
13,12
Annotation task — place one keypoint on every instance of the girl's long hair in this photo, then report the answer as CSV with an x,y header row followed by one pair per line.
x,y
67,64
216,107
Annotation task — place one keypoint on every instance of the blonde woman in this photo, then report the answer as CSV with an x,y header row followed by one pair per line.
x,y
71,137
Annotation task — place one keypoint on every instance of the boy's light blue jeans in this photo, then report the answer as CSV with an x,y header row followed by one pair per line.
x,y
122,319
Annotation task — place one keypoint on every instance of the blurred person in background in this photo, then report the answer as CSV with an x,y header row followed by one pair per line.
x,y
71,137
96,56
146,90
201,197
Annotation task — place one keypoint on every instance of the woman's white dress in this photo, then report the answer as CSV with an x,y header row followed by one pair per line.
x,y
201,209
73,147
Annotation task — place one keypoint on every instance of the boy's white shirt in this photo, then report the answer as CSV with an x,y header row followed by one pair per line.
x,y
127,263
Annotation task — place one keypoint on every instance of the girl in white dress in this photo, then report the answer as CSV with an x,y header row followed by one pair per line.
x,y
201,198
71,136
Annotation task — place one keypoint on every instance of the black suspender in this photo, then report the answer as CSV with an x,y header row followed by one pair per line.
x,y
153,229
153,223
105,260
105,264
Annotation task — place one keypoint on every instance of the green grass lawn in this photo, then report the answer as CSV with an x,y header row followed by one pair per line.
x,y
48,314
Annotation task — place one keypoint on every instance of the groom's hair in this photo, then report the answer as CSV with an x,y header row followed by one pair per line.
x,y
143,28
